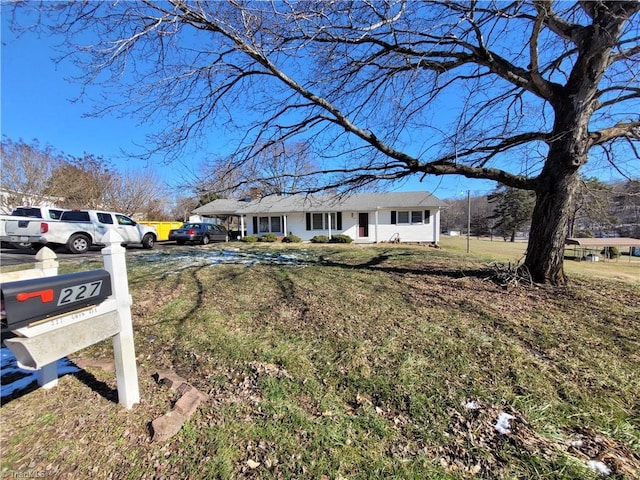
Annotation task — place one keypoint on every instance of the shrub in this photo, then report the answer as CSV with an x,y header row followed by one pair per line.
x,y
291,239
268,237
341,238
611,252
320,239
250,239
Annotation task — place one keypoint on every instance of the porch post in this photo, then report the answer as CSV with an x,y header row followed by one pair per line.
x,y
376,225
241,226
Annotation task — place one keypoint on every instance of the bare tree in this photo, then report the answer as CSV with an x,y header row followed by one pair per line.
x,y
183,207
591,209
25,173
277,169
138,193
385,90
82,182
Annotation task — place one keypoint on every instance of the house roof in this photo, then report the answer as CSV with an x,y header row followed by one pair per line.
x,y
275,204
220,207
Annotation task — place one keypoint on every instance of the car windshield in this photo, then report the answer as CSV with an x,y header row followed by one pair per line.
x,y
191,225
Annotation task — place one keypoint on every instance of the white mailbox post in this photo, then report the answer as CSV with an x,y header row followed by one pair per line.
x,y
103,311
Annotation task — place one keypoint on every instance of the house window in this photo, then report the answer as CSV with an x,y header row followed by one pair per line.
x,y
333,221
403,217
276,224
317,223
264,224
410,217
320,221
269,224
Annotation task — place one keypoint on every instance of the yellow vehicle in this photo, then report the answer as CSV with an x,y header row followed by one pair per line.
x,y
162,228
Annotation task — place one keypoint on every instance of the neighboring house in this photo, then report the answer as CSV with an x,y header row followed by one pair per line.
x,y
10,199
365,217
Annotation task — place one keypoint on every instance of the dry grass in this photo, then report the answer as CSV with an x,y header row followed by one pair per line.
x,y
359,362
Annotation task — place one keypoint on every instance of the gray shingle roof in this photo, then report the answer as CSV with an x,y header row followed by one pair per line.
x,y
275,204
220,207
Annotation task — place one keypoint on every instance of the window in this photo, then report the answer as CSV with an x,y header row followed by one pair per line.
x,y
410,217
403,217
55,214
320,221
317,221
276,225
122,220
104,218
75,216
269,224
333,221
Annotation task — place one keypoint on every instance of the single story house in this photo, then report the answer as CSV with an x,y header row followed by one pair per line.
x,y
365,217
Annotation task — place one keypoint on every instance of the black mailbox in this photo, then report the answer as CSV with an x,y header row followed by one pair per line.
x,y
29,301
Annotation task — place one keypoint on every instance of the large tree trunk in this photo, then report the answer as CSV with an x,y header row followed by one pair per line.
x,y
550,223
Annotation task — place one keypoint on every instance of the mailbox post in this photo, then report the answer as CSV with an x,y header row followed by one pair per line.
x,y
46,266
55,316
123,346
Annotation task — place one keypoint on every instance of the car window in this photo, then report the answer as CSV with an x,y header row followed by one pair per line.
x,y
27,212
105,218
122,220
55,214
75,216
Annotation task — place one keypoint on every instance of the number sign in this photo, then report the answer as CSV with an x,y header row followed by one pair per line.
x,y
30,301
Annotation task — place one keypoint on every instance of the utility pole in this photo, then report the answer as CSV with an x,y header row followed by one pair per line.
x,y
468,218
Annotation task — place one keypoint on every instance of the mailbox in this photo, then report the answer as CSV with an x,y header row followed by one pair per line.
x,y
29,301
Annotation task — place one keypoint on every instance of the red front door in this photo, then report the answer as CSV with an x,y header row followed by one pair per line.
x,y
363,225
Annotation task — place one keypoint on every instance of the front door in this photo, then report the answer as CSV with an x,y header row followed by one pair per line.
x,y
363,225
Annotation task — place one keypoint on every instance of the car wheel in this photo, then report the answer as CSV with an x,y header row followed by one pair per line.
x,y
78,243
148,241
205,240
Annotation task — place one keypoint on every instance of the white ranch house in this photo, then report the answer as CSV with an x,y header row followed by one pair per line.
x,y
366,217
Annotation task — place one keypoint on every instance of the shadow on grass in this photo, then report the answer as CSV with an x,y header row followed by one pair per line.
x,y
98,386
378,262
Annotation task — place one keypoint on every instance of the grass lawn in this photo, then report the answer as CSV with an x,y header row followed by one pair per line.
x,y
385,361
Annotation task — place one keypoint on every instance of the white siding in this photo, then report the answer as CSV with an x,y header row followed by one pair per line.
x,y
385,231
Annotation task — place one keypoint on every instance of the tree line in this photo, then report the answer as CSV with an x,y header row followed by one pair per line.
x,y
33,174
599,209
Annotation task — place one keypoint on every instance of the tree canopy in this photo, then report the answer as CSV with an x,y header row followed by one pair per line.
x,y
516,92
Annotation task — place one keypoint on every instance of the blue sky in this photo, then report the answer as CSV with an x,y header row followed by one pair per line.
x,y
40,102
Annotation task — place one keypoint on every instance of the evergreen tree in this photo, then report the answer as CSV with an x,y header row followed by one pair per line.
x,y
512,211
